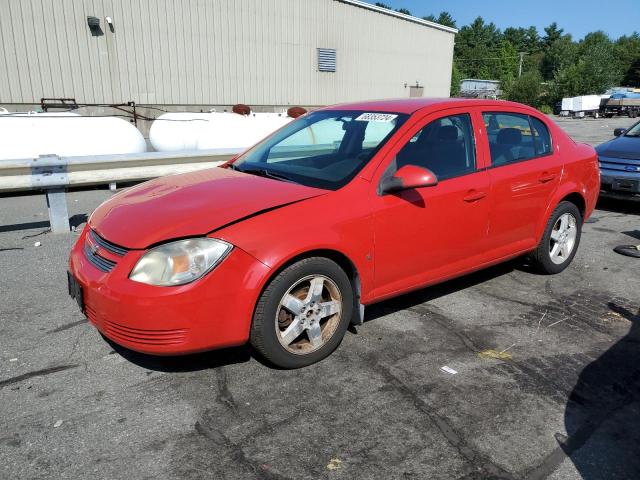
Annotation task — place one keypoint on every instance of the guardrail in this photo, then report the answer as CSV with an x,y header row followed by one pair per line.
x,y
53,174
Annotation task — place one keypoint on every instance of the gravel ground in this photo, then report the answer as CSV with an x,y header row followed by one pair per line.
x,y
562,402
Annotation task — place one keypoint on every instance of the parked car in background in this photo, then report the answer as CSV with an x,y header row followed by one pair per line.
x,y
619,161
346,206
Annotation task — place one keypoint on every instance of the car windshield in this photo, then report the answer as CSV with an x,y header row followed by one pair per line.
x,y
633,131
323,149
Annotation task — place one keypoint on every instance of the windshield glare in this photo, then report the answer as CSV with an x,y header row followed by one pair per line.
x,y
633,131
323,149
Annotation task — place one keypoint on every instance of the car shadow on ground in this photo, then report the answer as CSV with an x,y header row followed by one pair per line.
x,y
185,363
427,294
629,206
602,416
244,353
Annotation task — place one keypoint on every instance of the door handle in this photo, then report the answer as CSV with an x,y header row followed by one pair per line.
x,y
474,196
546,177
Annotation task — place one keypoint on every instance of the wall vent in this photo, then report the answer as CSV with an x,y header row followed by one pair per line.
x,y
327,59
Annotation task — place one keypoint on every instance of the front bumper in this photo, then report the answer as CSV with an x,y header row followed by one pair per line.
x,y
619,176
619,183
213,312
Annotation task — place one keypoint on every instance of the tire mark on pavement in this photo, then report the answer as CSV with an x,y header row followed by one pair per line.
x,y
36,373
482,466
236,453
224,395
67,326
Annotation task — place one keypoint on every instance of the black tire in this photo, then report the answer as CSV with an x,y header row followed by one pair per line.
x,y
628,250
263,335
541,257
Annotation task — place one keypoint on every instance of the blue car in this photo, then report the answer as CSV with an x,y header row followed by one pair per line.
x,y
620,163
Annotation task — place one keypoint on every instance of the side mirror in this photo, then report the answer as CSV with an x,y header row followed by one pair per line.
x,y
619,131
407,177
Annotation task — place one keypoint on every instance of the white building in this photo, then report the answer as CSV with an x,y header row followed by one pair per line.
x,y
217,52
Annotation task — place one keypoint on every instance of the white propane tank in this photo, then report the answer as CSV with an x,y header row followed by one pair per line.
x,y
28,135
202,131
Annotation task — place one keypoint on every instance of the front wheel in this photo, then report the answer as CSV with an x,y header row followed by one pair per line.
x,y
560,240
303,314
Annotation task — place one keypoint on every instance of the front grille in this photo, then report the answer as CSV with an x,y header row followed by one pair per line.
x,y
108,246
97,261
146,337
94,245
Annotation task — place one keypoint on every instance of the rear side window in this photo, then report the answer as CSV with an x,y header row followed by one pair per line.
x,y
510,137
514,137
541,137
444,146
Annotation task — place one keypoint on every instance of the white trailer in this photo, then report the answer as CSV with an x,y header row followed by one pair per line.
x,y
567,107
586,106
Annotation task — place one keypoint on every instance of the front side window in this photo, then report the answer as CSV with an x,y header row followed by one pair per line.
x,y
634,131
515,137
324,149
444,146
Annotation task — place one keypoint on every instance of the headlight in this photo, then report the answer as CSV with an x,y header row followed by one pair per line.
x,y
180,262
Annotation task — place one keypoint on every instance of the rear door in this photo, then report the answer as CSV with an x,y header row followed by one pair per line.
x,y
525,170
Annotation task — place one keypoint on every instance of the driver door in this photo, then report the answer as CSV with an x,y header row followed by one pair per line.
x,y
428,234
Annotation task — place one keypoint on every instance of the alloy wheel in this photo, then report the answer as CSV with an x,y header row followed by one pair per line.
x,y
563,238
308,314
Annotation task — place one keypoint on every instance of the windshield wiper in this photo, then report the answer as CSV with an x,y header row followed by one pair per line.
x,y
262,172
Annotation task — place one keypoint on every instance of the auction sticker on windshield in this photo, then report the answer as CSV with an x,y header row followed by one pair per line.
x,y
376,117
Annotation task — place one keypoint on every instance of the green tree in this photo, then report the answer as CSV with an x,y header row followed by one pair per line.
x,y
561,53
526,89
632,75
388,7
508,62
523,39
627,52
552,33
593,71
534,43
517,37
456,79
444,18
477,49
599,67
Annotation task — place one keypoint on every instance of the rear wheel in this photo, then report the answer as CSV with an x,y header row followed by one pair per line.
x,y
303,314
560,240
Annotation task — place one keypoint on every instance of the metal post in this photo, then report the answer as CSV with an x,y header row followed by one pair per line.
x,y
58,213
520,68
49,172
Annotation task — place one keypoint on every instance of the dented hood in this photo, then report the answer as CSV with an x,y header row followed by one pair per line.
x,y
190,204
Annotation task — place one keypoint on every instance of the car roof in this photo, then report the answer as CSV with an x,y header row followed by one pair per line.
x,y
412,105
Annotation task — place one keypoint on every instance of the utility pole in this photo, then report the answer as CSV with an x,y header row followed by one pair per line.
x,y
521,60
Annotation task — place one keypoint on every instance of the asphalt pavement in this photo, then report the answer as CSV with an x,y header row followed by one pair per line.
x,y
547,382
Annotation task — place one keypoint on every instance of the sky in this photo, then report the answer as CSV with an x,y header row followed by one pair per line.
x,y
577,17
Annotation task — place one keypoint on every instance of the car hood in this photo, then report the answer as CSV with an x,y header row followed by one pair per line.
x,y
190,204
621,147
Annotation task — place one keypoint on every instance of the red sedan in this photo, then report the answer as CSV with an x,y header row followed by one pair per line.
x,y
285,245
